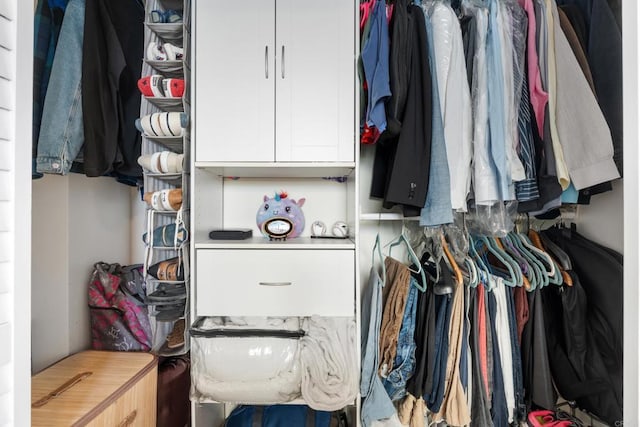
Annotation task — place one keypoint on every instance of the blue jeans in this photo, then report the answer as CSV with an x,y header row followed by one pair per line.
x,y
376,404
61,132
405,362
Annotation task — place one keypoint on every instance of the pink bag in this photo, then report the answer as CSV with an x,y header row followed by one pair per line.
x,y
119,317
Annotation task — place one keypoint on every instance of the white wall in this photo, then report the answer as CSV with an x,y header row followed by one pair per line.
x,y
603,220
76,222
631,54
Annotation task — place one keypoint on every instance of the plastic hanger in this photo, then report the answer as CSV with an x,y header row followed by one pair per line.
x,y
531,273
472,271
560,258
452,262
537,268
376,245
542,258
412,257
483,270
515,276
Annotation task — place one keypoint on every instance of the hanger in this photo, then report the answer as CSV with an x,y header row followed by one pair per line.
x,y
472,270
515,275
537,268
452,262
443,287
376,245
560,257
547,264
402,238
482,269
531,275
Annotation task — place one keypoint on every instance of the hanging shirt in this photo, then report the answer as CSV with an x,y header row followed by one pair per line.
x,y
455,100
496,90
485,178
585,135
561,168
437,207
537,94
375,59
509,32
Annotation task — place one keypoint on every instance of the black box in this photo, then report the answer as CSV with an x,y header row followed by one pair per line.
x,y
231,234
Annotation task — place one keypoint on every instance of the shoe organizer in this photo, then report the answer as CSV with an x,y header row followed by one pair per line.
x,y
246,359
166,104
167,68
170,32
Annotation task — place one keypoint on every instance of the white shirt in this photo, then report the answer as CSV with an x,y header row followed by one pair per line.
x,y
455,100
485,181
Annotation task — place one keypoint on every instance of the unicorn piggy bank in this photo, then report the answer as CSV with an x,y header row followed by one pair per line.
x,y
280,217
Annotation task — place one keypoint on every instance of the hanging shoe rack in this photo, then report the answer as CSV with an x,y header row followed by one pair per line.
x,y
168,300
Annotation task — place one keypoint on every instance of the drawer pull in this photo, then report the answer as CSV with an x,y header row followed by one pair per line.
x,y
64,387
282,61
129,420
275,283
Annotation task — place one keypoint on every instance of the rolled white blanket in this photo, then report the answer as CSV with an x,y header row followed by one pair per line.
x,y
328,362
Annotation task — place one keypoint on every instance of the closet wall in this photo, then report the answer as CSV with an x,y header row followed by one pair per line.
x,y
76,221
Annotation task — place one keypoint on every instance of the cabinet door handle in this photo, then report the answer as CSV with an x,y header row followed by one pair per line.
x,y
64,387
266,62
129,419
282,62
275,283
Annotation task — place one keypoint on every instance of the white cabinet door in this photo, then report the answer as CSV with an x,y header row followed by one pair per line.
x,y
315,80
234,80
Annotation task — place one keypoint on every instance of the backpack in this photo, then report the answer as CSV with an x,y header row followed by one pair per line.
x,y
283,416
119,316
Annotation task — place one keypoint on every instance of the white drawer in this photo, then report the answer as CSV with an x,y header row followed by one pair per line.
x,y
282,282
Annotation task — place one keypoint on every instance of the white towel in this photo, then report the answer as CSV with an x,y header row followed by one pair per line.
x,y
328,361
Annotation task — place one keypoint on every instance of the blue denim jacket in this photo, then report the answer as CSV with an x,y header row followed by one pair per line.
x,y
405,362
47,25
61,132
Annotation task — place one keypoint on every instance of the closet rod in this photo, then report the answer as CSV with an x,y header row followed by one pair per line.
x,y
568,213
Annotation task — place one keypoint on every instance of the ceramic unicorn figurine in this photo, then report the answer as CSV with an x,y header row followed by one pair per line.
x,y
280,217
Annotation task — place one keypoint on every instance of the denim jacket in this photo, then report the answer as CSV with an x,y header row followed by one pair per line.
x,y
61,132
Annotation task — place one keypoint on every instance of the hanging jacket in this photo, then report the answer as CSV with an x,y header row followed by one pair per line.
x,y
407,171
601,273
111,66
578,370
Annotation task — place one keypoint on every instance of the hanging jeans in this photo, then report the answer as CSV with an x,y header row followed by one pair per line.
x,y
405,362
376,404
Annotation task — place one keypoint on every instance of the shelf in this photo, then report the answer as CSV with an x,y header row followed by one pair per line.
x,y
278,170
167,68
387,216
173,143
170,32
166,104
170,178
202,241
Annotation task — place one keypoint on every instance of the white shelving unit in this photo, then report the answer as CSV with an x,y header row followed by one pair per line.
x,y
274,109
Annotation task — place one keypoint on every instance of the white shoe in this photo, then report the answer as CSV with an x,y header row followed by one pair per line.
x,y
162,162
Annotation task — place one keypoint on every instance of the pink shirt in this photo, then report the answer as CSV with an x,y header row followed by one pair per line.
x,y
537,94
